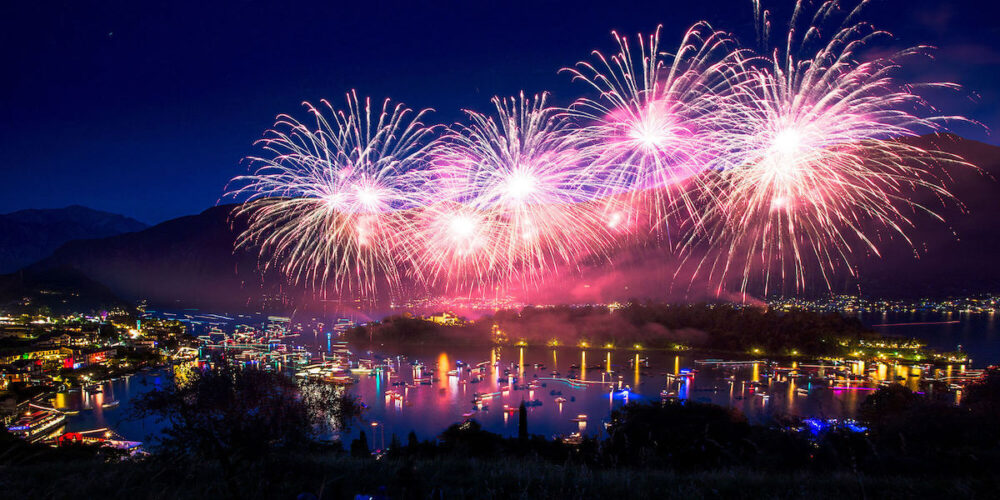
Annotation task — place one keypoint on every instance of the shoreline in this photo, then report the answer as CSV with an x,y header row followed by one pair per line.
x,y
730,355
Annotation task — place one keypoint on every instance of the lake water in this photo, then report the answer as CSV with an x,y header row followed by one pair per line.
x,y
92,414
979,334
608,379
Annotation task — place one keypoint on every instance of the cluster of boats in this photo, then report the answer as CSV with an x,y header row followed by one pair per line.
x,y
268,349
801,378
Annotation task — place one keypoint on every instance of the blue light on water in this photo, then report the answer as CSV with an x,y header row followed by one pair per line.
x,y
816,426
853,427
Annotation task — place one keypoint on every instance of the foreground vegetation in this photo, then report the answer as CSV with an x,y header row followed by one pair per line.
x,y
253,434
325,476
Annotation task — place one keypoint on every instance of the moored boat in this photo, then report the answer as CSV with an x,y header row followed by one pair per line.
x,y
37,423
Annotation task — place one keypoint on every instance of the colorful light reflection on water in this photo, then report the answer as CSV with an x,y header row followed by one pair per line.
x,y
558,392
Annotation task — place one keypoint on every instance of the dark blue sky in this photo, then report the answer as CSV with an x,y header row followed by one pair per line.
x,y
146,108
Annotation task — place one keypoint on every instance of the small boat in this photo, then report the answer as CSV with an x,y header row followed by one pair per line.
x,y
110,404
579,418
560,400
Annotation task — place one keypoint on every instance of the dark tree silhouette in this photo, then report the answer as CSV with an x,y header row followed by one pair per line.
x,y
237,416
522,422
359,447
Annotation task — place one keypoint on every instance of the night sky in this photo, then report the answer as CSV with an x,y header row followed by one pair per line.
x,y
146,108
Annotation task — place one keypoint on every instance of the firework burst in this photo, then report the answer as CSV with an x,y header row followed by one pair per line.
x,y
652,117
517,202
810,169
330,199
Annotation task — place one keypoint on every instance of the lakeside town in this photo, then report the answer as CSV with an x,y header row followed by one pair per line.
x,y
68,350
987,303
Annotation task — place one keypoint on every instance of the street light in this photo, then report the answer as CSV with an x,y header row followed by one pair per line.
x,y
382,430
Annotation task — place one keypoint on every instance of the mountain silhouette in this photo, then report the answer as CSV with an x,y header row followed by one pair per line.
x,y
29,235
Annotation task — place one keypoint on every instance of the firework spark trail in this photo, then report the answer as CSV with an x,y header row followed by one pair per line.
x,y
811,162
328,203
653,115
518,204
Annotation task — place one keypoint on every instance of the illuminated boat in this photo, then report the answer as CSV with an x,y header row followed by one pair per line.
x,y
37,423
110,404
574,438
339,379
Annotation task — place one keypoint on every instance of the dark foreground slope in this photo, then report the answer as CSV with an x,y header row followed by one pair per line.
x,y
335,477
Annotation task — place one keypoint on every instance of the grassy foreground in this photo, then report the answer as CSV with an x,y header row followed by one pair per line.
x,y
336,476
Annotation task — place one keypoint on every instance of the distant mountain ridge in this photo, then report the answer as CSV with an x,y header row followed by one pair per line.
x,y
187,261
27,236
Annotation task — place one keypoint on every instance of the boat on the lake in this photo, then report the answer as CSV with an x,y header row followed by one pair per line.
x,y
37,423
